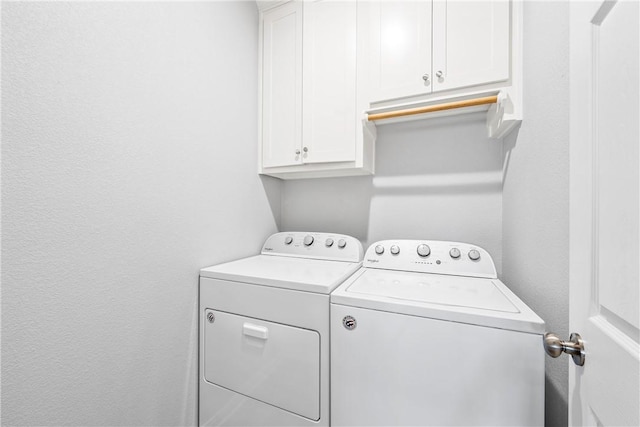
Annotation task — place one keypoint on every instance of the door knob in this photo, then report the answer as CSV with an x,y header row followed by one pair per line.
x,y
425,77
439,74
297,152
554,347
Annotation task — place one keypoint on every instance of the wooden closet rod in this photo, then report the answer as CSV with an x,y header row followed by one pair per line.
x,y
431,108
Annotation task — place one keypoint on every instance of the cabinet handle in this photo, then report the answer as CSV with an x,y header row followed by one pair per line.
x,y
425,77
297,152
305,149
439,74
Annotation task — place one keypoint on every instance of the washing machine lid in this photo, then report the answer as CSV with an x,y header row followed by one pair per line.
x,y
310,275
433,288
479,301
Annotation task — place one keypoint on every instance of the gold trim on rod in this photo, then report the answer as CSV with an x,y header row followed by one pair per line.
x,y
431,108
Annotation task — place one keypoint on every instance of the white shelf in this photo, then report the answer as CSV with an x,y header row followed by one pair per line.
x,y
503,114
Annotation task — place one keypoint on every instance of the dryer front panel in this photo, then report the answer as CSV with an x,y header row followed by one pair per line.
x,y
273,363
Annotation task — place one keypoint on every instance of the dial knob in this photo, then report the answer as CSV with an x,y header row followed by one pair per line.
x,y
423,250
474,255
308,240
395,250
329,242
379,249
342,243
455,253
288,240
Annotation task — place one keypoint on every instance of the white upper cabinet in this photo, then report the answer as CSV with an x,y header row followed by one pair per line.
x,y
332,70
424,47
282,85
312,98
400,48
470,43
329,85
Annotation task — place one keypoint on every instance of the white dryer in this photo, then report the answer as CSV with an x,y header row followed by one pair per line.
x,y
264,331
425,334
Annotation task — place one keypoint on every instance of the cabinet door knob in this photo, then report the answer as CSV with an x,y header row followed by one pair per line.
x,y
305,149
297,152
425,77
439,74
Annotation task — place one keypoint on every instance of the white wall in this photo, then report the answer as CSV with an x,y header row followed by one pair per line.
x,y
438,179
128,162
536,188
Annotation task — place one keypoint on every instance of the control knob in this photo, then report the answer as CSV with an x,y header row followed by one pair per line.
x,y
379,249
455,253
395,250
288,240
423,250
329,242
308,240
342,243
474,255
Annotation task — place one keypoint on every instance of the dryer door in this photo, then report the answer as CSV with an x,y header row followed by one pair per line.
x,y
270,362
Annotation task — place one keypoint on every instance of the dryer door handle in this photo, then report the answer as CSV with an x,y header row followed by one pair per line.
x,y
255,331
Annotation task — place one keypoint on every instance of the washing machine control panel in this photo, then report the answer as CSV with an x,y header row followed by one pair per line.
x,y
329,246
431,256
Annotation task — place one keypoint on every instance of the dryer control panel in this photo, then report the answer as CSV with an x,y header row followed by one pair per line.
x,y
327,246
431,256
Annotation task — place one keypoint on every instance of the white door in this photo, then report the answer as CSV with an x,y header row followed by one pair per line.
x,y
470,43
605,211
282,85
329,82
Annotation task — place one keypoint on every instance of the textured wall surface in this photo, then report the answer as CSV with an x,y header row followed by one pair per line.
x,y
536,188
438,179
128,163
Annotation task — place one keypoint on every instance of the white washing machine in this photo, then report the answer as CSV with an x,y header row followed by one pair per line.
x,y
264,331
425,334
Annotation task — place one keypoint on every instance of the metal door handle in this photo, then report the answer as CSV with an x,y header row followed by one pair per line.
x,y
554,347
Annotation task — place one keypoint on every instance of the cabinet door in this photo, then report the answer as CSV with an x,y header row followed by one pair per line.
x,y
400,49
329,82
282,85
470,43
